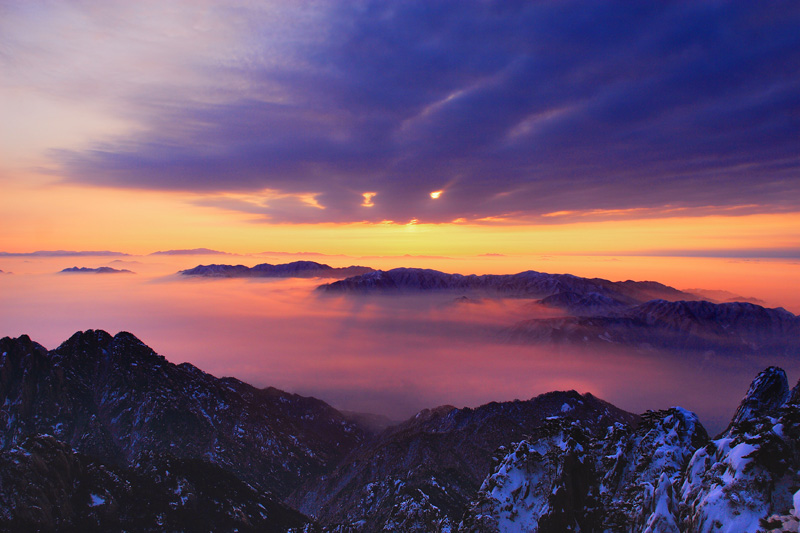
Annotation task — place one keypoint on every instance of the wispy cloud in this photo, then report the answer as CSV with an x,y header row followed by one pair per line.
x,y
732,253
61,253
515,109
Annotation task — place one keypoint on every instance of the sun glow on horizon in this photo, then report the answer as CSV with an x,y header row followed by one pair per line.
x,y
85,218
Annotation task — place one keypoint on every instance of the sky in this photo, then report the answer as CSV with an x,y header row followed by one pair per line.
x,y
625,140
149,125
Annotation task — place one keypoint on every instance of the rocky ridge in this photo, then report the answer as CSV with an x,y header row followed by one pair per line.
x,y
296,269
115,399
98,270
421,474
104,434
663,476
529,284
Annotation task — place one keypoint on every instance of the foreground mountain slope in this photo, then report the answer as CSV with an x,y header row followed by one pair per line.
x,y
115,399
664,476
564,478
421,474
134,442
47,486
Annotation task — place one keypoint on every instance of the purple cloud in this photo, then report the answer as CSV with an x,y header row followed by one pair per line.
x,y
511,108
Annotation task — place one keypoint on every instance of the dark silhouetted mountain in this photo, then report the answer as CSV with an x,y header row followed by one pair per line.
x,y
296,269
683,325
370,421
429,467
47,486
98,270
102,434
528,284
116,400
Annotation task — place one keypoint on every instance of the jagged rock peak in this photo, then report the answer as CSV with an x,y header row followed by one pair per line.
x,y
768,392
23,340
94,342
794,397
14,351
103,338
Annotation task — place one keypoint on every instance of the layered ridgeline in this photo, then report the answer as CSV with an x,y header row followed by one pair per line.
x,y
640,314
529,284
98,270
104,434
119,404
729,328
296,269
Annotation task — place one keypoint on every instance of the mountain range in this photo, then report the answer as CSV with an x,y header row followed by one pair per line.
x,y
296,269
98,270
645,315
529,284
103,434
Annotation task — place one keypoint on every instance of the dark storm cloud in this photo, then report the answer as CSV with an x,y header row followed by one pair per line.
x,y
513,108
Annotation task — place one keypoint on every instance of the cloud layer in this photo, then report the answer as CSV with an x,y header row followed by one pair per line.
x,y
512,109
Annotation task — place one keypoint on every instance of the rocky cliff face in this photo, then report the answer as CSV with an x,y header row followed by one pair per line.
x,y
664,475
563,478
748,479
420,475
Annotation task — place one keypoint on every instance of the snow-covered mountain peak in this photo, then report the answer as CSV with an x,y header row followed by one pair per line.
x,y
768,392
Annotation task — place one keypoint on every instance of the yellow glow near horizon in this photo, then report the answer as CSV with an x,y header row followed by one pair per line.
x,y
436,194
40,216
47,216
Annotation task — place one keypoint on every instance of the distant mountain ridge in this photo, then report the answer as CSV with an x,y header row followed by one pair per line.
x,y
529,284
98,270
295,269
639,314
191,251
733,328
